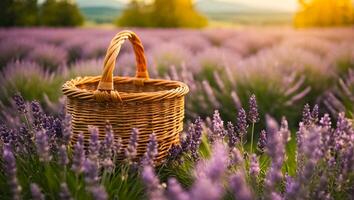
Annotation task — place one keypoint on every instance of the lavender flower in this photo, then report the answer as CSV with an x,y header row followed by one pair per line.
x,y
175,191
262,141
5,134
175,152
63,157
186,138
209,174
94,144
205,189
106,149
306,115
42,145
275,149
254,166
152,183
291,187
239,187
36,192
231,134
79,155
91,172
64,193
151,151
218,125
326,122
38,115
235,158
195,136
66,129
48,56
253,115
10,170
214,168
241,125
131,150
20,103
314,114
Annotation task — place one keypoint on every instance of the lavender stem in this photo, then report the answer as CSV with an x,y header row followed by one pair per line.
x,y
252,133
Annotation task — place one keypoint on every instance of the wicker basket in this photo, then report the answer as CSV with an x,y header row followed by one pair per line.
x,y
151,105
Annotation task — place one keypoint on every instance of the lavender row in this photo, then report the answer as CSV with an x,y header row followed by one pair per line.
x,y
212,161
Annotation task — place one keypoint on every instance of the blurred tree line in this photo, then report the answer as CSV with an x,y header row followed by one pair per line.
x,y
161,13
30,13
321,13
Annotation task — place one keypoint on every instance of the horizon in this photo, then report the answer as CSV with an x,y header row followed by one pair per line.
x,y
281,5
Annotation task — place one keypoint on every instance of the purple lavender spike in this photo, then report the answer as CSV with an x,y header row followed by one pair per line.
x,y
275,149
326,121
42,145
306,115
20,103
79,155
241,125
175,152
66,129
253,115
262,142
63,157
315,114
196,136
106,149
94,144
254,166
231,134
214,168
239,187
175,191
291,187
38,115
10,171
151,151
152,183
236,157
205,189
91,172
131,150
36,192
218,125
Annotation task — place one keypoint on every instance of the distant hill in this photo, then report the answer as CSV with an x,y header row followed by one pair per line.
x,y
214,6
101,14
106,11
101,3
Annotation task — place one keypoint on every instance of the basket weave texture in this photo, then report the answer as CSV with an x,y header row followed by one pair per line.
x,y
150,105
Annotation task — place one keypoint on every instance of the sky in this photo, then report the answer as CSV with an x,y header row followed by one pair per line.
x,y
286,5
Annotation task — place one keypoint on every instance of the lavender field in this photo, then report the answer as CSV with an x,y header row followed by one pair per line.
x,y
269,115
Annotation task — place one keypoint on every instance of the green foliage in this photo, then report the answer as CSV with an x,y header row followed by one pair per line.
x,y
60,13
161,13
30,13
135,15
322,13
18,13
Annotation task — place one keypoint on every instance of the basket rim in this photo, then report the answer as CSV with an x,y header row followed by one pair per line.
x,y
70,89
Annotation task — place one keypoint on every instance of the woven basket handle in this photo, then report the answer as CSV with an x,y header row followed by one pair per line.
x,y
106,82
